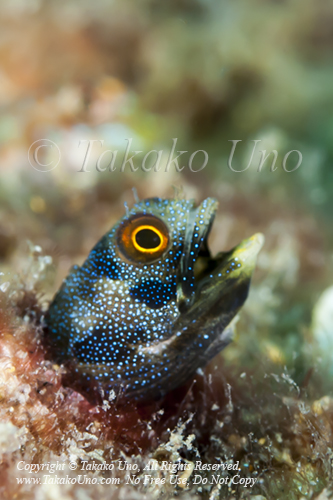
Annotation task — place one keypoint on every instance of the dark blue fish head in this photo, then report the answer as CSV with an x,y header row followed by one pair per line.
x,y
150,305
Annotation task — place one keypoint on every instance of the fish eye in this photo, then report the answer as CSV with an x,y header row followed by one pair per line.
x,y
147,239
142,238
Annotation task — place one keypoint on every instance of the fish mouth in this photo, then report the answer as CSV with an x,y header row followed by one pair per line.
x,y
228,269
195,250
206,280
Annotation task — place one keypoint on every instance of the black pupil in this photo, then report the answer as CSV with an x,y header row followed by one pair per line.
x,y
148,239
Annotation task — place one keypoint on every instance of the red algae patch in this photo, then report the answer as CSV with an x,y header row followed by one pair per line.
x,y
230,431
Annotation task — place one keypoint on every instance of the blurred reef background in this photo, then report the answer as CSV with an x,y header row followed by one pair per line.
x,y
204,72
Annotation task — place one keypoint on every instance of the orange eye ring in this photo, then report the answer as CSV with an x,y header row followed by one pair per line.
x,y
142,238
141,248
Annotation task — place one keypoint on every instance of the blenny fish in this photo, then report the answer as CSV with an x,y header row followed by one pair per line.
x,y
150,305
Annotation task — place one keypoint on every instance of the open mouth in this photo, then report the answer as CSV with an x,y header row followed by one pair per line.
x,y
196,256
202,274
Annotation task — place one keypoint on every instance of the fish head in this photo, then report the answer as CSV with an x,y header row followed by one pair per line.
x,y
151,305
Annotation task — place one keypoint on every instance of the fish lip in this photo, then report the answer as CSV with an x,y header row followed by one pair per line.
x,y
198,227
224,275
